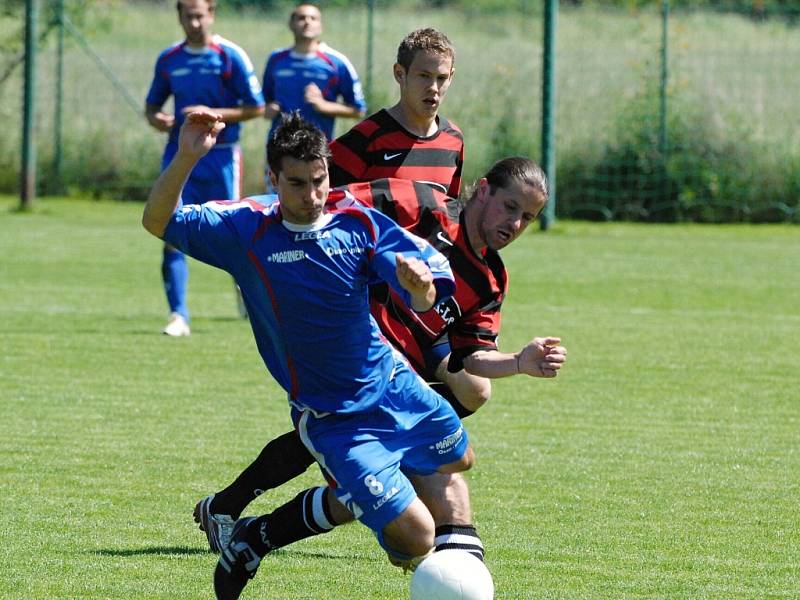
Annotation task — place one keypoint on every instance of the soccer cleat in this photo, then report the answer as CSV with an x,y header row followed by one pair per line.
x,y
237,563
218,527
176,326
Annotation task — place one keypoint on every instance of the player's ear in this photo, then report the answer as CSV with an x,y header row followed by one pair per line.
x,y
273,180
399,72
483,189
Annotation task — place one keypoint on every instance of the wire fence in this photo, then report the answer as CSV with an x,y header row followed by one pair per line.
x,y
682,115
660,116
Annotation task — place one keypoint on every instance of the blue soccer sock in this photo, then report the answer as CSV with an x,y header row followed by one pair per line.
x,y
175,273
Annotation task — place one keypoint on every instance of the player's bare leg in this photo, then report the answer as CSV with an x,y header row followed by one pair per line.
x,y
465,392
411,534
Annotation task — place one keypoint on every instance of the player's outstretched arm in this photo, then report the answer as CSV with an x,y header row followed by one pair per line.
x,y
541,357
415,276
198,135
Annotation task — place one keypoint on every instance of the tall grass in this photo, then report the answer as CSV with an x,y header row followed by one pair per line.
x,y
733,76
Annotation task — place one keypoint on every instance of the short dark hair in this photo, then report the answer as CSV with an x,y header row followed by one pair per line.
x,y
299,4
212,5
297,138
426,39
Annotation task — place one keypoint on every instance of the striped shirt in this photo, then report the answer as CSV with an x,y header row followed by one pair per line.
x,y
471,317
379,147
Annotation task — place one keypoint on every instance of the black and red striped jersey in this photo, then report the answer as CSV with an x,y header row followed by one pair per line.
x,y
471,317
379,147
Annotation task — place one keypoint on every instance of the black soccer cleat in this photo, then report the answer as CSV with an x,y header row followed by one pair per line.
x,y
237,563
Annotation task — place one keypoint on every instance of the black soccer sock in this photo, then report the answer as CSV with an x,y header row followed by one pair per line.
x,y
462,537
304,516
283,459
445,392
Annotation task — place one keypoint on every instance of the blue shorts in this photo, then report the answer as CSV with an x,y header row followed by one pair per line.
x,y
412,430
218,175
434,356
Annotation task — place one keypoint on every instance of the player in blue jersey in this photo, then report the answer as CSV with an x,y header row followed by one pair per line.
x,y
202,71
311,77
368,419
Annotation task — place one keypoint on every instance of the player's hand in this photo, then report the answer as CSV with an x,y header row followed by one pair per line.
x,y
161,121
272,110
199,133
542,357
313,95
196,108
415,276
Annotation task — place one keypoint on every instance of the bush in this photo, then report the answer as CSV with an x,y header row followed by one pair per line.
x,y
701,171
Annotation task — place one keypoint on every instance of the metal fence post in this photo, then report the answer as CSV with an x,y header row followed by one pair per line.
x,y
662,128
59,101
370,42
28,183
549,110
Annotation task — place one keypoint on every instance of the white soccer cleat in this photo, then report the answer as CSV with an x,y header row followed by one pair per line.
x,y
176,326
218,527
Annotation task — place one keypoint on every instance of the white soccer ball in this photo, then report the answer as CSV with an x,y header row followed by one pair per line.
x,y
452,575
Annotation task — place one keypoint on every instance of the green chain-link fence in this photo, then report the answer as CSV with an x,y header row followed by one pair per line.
x,y
719,142
679,115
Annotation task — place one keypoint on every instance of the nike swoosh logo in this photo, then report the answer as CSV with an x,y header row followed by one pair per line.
x,y
441,237
387,156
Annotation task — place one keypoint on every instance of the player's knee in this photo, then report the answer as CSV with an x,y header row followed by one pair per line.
x,y
478,394
412,533
462,464
338,511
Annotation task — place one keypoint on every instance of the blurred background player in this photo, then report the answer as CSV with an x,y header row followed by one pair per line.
x,y
310,77
410,140
202,71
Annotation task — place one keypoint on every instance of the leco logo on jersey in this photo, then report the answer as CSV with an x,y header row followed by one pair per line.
x,y
311,235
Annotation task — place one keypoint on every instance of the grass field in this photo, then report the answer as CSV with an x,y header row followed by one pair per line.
x,y
662,463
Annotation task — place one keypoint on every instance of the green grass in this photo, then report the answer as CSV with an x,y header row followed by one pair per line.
x,y
662,463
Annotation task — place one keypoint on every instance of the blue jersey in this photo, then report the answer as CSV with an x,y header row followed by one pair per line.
x,y
288,73
305,288
218,76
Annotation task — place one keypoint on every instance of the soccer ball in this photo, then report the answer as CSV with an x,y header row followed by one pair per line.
x,y
452,575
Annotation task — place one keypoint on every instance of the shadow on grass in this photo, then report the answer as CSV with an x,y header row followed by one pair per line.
x,y
329,555
171,550
189,551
